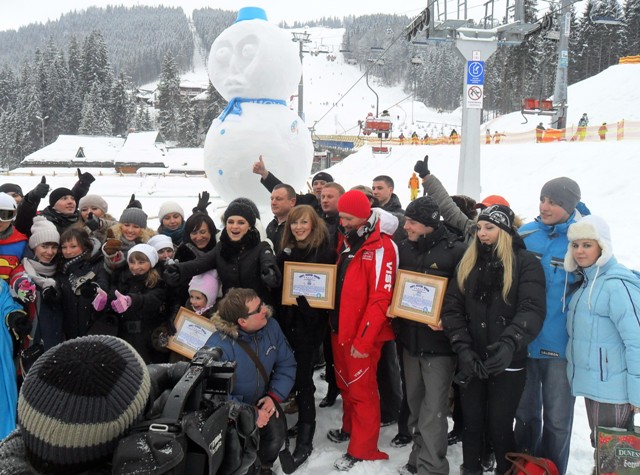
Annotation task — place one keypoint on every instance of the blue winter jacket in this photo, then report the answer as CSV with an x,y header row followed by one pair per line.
x,y
549,244
8,379
272,349
604,335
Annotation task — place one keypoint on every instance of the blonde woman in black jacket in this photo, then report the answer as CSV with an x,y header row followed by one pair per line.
x,y
494,311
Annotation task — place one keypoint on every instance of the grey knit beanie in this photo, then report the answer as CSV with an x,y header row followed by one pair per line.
x,y
134,216
562,191
43,231
78,399
93,200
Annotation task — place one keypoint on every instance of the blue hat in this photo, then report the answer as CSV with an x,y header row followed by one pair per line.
x,y
251,13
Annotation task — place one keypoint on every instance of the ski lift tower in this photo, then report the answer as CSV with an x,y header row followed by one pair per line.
x,y
476,41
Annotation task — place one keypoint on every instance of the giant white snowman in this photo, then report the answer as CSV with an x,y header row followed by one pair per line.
x,y
255,66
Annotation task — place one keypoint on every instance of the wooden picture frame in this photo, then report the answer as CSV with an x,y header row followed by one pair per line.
x,y
192,332
418,297
317,282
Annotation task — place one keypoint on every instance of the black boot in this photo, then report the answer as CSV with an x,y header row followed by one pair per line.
x,y
330,399
304,442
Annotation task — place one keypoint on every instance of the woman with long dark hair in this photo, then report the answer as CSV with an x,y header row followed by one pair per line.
x,y
491,312
305,239
240,257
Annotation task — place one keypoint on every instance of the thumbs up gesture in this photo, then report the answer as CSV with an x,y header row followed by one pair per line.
x,y
259,168
42,189
121,303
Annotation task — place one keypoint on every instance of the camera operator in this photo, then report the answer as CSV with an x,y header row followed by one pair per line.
x,y
266,367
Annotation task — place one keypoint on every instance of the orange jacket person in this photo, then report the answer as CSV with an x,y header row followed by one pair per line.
x,y
414,186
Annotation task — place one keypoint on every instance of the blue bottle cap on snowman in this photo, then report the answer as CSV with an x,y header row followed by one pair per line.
x,y
251,13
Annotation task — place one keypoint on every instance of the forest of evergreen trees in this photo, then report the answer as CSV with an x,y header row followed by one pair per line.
x,y
85,82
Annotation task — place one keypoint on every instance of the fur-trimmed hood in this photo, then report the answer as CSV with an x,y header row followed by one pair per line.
x,y
589,227
147,233
232,330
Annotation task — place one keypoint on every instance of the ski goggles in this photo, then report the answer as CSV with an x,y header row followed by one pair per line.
x,y
7,214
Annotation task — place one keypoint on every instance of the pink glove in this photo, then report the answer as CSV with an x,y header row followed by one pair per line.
x,y
121,303
100,300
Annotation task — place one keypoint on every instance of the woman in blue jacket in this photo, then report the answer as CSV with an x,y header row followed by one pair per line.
x,y
603,323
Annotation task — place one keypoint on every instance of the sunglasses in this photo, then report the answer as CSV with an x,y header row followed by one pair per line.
x,y
7,214
257,310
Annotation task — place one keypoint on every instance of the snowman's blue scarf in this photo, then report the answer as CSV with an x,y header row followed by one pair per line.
x,y
235,105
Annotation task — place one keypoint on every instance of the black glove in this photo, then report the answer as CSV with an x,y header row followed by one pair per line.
x,y
500,356
305,308
418,167
89,290
134,203
93,222
425,167
49,295
85,178
470,364
19,323
203,202
41,190
270,277
171,275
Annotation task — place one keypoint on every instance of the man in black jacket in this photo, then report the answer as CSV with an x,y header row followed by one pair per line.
x,y
429,360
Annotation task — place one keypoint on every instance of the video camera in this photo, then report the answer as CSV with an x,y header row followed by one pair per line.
x,y
192,427
205,384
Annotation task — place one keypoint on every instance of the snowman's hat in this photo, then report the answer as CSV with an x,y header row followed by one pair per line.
x,y
251,13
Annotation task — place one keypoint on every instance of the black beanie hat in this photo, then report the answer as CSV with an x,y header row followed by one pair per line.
x,y
249,203
500,215
240,209
78,399
425,211
322,176
11,188
57,194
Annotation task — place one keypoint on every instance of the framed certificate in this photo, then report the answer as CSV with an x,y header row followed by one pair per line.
x,y
317,282
418,297
192,332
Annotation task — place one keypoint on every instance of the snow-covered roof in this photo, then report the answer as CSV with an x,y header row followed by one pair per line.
x,y
141,147
185,160
80,149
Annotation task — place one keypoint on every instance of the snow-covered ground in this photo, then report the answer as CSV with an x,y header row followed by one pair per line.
x,y
604,170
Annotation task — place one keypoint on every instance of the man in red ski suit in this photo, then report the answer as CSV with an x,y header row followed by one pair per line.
x,y
366,273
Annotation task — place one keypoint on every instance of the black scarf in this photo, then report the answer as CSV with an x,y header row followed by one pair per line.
x,y
230,249
490,273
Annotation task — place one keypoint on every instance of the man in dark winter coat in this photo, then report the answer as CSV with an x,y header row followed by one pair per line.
x,y
429,360
283,199
269,181
244,325
63,204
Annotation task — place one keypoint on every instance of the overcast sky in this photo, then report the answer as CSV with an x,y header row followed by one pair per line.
x,y
19,13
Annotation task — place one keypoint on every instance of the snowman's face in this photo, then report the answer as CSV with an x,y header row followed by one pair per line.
x,y
254,59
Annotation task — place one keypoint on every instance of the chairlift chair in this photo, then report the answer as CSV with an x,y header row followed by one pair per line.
x,y
380,126
605,20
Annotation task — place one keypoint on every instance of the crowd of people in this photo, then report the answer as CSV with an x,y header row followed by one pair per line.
x,y
533,315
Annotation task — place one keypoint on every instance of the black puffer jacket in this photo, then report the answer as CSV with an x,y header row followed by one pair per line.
x,y
435,254
145,313
79,314
479,316
308,327
239,264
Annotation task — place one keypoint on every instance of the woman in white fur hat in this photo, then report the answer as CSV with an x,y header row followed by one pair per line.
x,y
603,322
